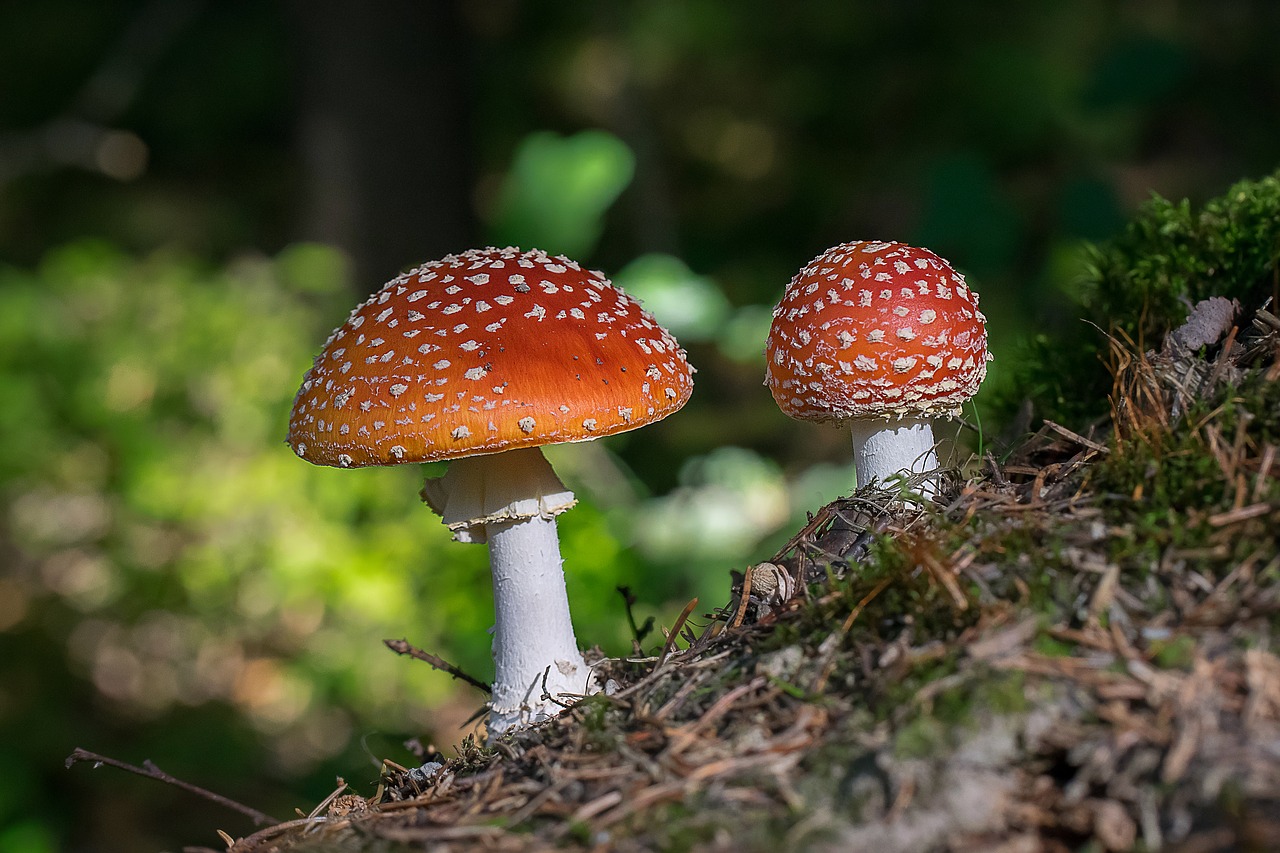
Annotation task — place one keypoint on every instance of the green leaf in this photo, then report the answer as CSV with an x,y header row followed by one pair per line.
x,y
558,190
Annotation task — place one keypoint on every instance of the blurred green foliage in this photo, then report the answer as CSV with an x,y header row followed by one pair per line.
x,y
557,190
692,307
163,536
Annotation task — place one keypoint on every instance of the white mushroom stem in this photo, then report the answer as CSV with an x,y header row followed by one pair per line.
x,y
885,448
533,634
510,500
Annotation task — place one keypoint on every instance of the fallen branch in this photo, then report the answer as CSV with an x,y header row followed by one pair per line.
x,y
403,647
1077,438
151,771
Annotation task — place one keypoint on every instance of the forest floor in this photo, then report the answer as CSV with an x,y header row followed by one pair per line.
x,y
1074,650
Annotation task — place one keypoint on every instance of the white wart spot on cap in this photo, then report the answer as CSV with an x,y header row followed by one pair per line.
x,y
882,350
413,408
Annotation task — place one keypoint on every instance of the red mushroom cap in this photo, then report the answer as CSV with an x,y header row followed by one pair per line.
x,y
870,329
481,352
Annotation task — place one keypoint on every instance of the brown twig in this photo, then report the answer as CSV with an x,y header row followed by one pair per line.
x,y
251,842
829,658
324,804
1077,437
404,647
151,771
547,694
675,632
744,599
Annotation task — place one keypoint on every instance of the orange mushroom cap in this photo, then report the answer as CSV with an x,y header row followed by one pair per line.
x,y
485,351
871,329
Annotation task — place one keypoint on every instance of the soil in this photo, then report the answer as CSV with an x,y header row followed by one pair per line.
x,y
1072,649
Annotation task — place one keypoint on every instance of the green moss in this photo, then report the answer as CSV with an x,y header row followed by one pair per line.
x,y
1257,402
473,756
991,691
1176,653
696,822
579,831
1172,256
593,712
932,728
922,737
1162,487
795,691
1052,647
1141,284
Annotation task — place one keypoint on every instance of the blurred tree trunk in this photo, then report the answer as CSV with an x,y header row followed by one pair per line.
x,y
384,130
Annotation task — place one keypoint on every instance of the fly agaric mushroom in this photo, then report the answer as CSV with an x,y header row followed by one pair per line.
x,y
879,337
482,358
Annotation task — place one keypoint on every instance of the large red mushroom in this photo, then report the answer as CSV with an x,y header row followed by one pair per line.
x,y
481,358
880,338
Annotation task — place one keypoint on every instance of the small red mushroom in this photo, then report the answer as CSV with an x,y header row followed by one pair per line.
x,y
879,337
482,358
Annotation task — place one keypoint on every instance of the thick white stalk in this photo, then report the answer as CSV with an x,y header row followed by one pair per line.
x,y
533,633
883,448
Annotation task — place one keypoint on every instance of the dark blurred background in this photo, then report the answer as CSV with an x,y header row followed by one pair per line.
x,y
192,194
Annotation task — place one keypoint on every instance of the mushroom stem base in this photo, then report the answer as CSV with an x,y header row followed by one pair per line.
x,y
883,449
533,634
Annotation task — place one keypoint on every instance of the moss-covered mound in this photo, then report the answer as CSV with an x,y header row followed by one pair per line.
x,y
1143,283
1074,650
